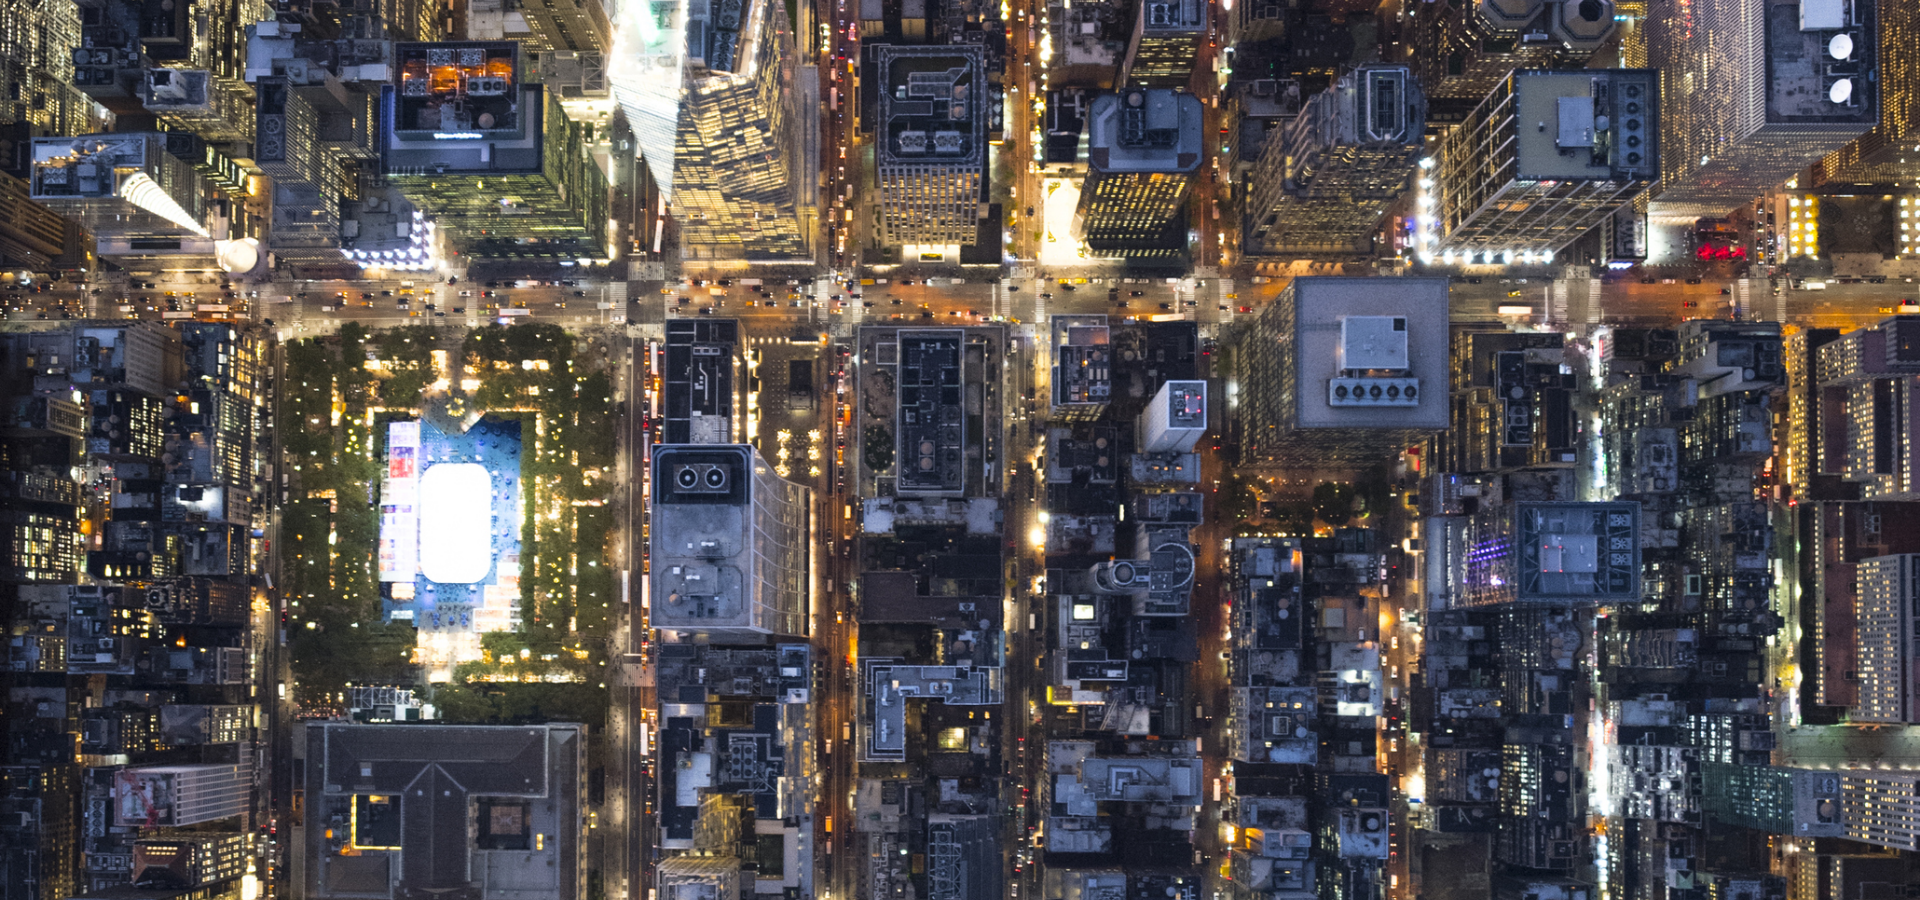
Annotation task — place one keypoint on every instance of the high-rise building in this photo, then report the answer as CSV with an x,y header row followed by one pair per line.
x,y
1544,553
1881,807
1082,381
1773,799
189,860
493,159
306,179
930,152
580,26
1884,657
930,414
1463,49
35,238
1174,419
730,544
703,382
38,45
1755,91
134,196
1165,46
743,170
1865,389
1887,154
1543,159
178,796
1324,182
428,810
1341,370
1144,148
699,878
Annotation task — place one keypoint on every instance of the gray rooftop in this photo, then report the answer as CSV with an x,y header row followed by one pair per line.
x,y
729,543
931,413
1822,57
459,106
1146,130
933,105
1596,124
1082,360
435,808
1321,305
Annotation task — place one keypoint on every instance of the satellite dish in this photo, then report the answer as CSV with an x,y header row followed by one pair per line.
x,y
1841,90
1841,46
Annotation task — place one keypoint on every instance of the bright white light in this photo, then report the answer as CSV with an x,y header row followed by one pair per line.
x,y
456,512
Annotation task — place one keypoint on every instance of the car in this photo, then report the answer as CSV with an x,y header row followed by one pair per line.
x,y
896,301
493,284
459,309
1136,293
1166,306
1513,293
867,304
386,293
1689,304
1693,281
579,293
725,282
1725,291
1029,210
1246,309
706,310
466,293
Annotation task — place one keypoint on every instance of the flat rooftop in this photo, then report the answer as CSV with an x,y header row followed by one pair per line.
x,y
930,414
703,536
1578,550
699,395
1082,360
416,810
1594,124
1146,131
1822,61
933,105
460,106
1321,305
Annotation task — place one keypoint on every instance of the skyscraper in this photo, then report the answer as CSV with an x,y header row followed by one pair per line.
x,y
127,189
1881,807
742,176
1755,91
1886,153
931,144
502,168
1165,45
1884,656
1340,370
1144,148
1463,49
1544,553
1543,159
730,544
1324,182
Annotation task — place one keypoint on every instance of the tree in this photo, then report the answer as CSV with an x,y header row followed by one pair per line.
x,y
1292,516
1333,503
879,448
1238,501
